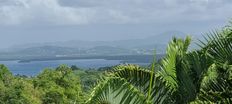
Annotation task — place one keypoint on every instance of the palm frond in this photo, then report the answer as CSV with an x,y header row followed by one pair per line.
x,y
176,50
199,64
218,45
176,71
216,91
168,68
115,90
216,86
140,78
152,76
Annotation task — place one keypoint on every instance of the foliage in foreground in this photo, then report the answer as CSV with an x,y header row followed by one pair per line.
x,y
182,77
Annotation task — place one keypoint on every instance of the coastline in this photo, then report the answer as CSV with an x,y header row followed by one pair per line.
x,y
124,58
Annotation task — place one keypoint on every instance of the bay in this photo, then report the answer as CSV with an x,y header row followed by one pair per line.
x,y
35,67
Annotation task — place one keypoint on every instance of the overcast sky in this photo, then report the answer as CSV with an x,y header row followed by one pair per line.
x,y
27,21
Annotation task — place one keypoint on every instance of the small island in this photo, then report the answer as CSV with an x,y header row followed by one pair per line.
x,y
24,61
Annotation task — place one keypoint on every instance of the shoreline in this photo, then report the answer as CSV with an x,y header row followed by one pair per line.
x,y
129,58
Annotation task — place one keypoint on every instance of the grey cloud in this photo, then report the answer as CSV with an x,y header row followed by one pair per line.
x,y
75,12
153,11
41,11
28,21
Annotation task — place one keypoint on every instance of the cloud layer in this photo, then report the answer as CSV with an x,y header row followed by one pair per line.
x,y
76,12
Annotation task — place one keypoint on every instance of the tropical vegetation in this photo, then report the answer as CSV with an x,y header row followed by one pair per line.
x,y
183,76
62,85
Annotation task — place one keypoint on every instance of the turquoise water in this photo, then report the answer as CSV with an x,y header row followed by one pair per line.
x,y
35,67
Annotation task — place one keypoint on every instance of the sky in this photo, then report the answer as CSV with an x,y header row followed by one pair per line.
x,y
38,21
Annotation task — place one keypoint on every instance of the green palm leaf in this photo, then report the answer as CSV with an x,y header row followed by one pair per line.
x,y
218,45
115,90
140,78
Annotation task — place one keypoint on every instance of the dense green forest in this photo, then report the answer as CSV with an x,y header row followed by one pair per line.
x,y
63,85
199,76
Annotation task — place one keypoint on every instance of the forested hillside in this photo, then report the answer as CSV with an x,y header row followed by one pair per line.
x,y
62,85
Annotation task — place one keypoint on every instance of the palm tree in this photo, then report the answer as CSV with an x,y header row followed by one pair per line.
x,y
199,76
216,86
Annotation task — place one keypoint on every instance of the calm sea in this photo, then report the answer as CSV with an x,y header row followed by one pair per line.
x,y
35,67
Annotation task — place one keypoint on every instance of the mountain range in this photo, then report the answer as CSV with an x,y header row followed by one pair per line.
x,y
75,48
